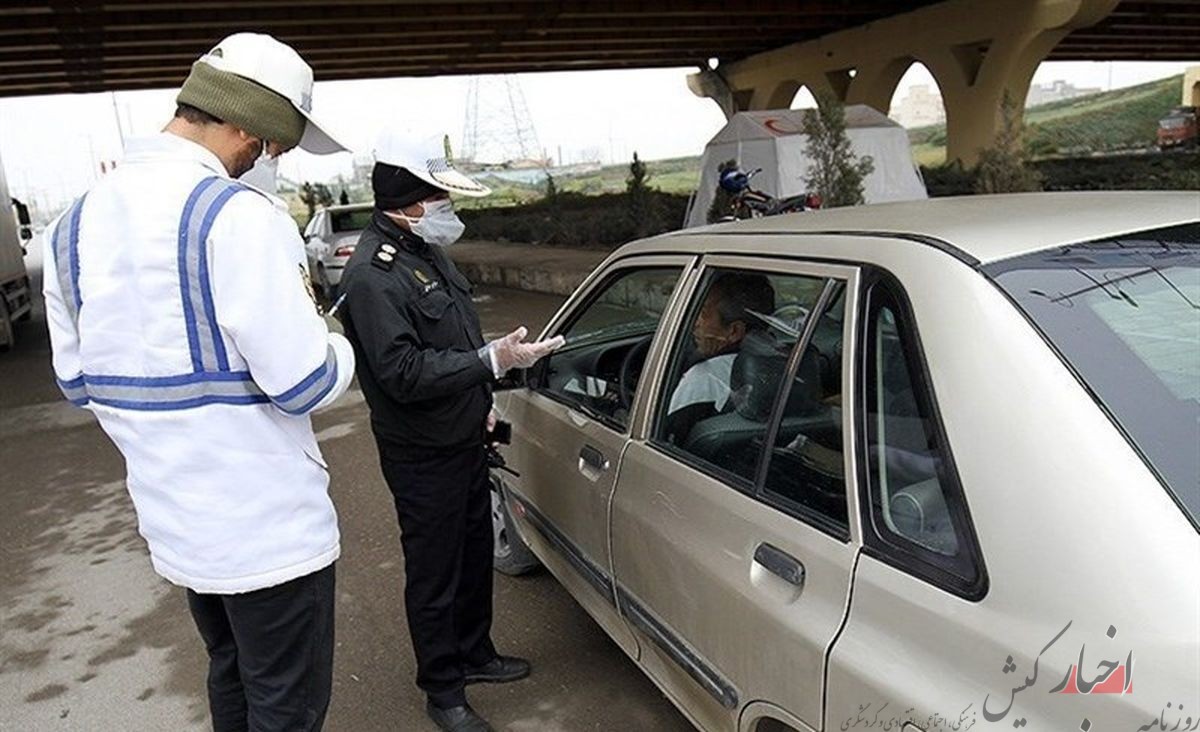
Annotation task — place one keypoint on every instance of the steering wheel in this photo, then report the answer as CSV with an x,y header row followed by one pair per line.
x,y
627,380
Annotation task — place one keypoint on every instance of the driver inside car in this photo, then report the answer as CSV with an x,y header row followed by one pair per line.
x,y
734,307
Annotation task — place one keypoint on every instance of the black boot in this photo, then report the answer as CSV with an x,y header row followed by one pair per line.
x,y
499,670
457,719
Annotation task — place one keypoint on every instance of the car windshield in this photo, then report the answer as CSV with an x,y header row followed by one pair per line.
x,y
1125,314
345,221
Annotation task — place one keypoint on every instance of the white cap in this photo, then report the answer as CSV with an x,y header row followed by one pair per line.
x,y
428,158
277,66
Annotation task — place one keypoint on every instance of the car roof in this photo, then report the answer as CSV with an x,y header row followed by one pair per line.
x,y
347,207
978,229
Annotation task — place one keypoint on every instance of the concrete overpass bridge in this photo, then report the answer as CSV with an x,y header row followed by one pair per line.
x,y
856,50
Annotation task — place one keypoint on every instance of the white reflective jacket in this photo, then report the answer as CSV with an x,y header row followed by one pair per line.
x,y
179,315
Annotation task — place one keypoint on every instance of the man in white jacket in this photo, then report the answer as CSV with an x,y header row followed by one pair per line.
x,y
179,315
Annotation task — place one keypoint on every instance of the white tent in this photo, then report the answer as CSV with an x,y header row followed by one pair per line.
x,y
772,140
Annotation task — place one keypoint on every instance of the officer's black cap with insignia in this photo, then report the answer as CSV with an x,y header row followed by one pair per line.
x,y
396,188
411,168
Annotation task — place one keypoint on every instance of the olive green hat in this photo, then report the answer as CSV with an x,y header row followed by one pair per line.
x,y
262,86
242,103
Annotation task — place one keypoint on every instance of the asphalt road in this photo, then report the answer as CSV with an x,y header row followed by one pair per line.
x,y
92,639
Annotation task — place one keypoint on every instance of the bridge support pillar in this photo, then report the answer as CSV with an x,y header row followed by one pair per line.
x,y
976,50
1191,87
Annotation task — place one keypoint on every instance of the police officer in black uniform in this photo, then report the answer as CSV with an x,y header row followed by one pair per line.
x,y
427,373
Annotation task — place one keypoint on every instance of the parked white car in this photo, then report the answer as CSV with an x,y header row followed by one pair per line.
x,y
916,466
329,240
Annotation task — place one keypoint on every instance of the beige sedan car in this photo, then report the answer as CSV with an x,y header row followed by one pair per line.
x,y
919,466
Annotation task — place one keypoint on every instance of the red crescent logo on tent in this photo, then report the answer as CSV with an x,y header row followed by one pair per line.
x,y
772,124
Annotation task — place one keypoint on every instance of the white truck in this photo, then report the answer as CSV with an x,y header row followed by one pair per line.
x,y
16,299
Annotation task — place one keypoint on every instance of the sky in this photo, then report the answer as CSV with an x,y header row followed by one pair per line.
x,y
51,146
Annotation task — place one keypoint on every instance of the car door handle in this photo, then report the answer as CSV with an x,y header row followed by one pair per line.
x,y
780,563
593,458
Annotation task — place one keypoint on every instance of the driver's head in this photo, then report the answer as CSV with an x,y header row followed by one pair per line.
x,y
727,313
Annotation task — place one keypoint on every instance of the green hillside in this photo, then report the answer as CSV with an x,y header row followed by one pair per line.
x,y
1121,119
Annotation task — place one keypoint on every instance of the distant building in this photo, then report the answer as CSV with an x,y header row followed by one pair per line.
x,y
362,166
920,107
1056,91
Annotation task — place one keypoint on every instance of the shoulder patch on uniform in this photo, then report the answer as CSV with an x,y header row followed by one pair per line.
x,y
308,286
384,257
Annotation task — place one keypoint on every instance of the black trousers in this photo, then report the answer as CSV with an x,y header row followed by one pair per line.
x,y
443,503
270,654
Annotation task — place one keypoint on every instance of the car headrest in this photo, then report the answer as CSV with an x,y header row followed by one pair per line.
x,y
919,513
754,379
757,371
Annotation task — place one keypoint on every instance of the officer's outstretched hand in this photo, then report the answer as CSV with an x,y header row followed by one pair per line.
x,y
512,352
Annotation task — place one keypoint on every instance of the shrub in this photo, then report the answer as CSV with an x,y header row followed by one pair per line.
x,y
1003,167
577,220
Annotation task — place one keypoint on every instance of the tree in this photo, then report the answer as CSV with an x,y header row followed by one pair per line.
x,y
551,187
641,205
308,196
836,173
1003,167
636,182
313,195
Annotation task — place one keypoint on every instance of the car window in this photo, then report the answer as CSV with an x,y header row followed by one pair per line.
x,y
607,341
1125,314
918,513
317,226
728,362
806,467
353,220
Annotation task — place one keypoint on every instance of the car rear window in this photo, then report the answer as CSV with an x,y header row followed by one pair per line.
x,y
1125,314
350,220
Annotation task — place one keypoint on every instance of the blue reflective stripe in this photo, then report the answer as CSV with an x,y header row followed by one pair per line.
x,y
184,284
160,393
205,286
65,243
73,390
181,404
65,248
312,388
73,245
164,381
204,337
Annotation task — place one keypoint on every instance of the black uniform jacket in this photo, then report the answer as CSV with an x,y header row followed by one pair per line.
x,y
409,315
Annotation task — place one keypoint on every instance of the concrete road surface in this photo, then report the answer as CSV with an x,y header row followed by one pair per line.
x,y
92,639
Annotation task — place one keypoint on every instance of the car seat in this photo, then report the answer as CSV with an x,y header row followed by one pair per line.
x,y
733,438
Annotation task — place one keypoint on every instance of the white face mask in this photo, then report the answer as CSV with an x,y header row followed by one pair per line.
x,y
440,225
265,173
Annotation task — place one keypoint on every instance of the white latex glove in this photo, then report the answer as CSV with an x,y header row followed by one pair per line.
x,y
511,352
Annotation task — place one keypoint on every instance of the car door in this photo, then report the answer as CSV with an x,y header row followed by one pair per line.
x,y
917,641
733,562
571,426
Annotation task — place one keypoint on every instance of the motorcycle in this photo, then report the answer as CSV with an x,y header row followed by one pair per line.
x,y
750,203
